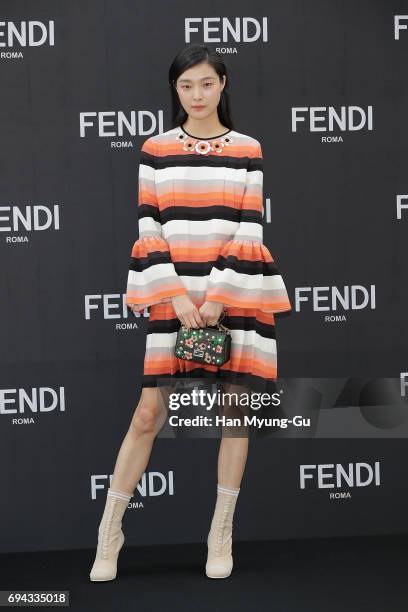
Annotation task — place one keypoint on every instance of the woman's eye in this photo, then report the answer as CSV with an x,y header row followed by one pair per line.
x,y
188,86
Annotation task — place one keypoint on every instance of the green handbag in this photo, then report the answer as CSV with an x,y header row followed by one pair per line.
x,y
204,344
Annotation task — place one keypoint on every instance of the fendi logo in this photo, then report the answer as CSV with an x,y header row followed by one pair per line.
x,y
335,299
26,34
114,124
337,476
32,218
31,401
151,484
330,119
225,30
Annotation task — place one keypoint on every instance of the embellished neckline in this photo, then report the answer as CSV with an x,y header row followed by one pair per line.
x,y
203,146
202,137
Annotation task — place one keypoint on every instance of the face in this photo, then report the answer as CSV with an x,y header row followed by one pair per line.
x,y
199,89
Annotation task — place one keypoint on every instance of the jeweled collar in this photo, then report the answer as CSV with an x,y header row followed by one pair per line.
x,y
203,146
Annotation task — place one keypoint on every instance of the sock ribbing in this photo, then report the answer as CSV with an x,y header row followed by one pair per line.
x,y
119,494
227,490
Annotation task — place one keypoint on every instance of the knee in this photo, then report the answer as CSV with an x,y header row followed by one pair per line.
x,y
144,419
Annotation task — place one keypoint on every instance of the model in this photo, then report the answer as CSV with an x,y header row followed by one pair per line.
x,y
200,250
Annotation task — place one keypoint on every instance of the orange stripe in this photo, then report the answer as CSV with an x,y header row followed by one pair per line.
x,y
216,296
164,366
132,296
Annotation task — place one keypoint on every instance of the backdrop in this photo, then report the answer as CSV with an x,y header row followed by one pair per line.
x,y
323,86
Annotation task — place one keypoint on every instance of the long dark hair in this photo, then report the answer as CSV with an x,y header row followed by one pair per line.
x,y
190,56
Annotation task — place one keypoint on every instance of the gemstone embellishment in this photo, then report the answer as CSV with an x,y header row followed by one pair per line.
x,y
203,147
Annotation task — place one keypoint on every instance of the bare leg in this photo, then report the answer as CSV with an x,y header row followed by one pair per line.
x,y
232,457
233,451
134,453
130,464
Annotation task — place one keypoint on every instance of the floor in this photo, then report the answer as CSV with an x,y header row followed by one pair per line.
x,y
355,574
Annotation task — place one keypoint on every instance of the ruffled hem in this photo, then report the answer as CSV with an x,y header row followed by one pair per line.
x,y
144,246
152,278
246,276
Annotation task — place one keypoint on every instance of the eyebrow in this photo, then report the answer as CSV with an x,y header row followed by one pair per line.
x,y
189,80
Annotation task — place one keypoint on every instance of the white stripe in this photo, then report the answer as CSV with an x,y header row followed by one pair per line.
x,y
157,272
146,173
240,280
187,231
203,173
149,227
210,229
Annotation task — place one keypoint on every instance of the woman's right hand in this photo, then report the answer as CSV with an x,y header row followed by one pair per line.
x,y
138,307
186,311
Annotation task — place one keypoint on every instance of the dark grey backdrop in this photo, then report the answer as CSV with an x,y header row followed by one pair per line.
x,y
331,221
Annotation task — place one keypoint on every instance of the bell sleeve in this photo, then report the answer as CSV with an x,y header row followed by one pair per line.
x,y
245,275
152,277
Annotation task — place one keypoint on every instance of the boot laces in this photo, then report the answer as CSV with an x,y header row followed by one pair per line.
x,y
224,528
106,531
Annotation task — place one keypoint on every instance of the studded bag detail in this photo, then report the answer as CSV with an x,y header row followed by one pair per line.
x,y
204,344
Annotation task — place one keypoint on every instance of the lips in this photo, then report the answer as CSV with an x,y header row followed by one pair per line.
x,y
198,107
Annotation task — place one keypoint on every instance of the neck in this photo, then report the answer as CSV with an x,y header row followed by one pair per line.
x,y
204,128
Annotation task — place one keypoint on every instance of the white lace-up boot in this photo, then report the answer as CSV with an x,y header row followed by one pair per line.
x,y
219,560
110,536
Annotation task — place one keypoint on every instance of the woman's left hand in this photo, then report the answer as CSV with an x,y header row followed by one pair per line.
x,y
210,312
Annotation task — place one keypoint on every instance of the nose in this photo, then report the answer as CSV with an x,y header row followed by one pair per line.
x,y
197,94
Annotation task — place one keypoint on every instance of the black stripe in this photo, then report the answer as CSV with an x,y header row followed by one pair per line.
x,y
147,210
253,382
173,212
201,269
197,160
140,264
194,268
255,163
147,159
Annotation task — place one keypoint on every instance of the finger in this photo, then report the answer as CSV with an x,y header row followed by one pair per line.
x,y
203,318
193,321
184,319
188,321
199,319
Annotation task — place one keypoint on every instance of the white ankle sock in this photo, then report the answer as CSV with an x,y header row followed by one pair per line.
x,y
119,494
227,490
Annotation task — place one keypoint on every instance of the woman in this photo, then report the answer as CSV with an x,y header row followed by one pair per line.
x,y
199,251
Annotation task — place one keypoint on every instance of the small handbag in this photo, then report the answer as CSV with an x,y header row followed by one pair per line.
x,y
204,344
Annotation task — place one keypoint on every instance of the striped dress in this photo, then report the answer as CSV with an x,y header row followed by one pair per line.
x,y
200,216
